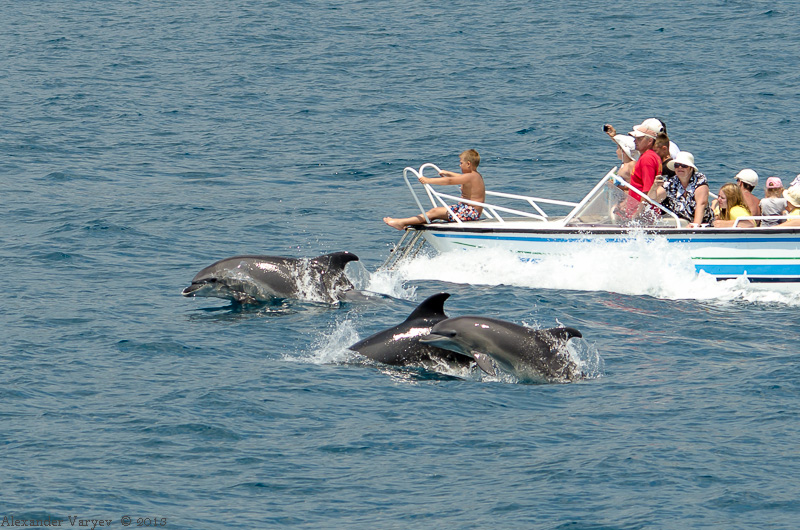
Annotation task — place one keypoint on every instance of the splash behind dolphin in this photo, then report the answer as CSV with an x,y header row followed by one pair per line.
x,y
399,345
530,355
252,279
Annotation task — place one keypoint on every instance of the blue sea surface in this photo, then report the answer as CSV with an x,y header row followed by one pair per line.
x,y
142,141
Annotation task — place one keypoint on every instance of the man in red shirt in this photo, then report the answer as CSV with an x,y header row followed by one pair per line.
x,y
649,163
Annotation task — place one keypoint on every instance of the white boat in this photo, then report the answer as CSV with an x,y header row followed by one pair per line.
x,y
763,255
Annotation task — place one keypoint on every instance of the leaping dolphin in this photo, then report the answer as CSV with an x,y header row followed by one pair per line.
x,y
254,279
530,355
400,345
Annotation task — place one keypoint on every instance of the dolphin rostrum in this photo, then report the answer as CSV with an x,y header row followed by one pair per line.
x,y
254,279
400,345
530,355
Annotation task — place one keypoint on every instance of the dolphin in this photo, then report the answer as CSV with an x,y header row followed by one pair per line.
x,y
254,279
400,345
530,355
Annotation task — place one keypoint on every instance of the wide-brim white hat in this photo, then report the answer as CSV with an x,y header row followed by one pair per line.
x,y
684,157
627,145
792,195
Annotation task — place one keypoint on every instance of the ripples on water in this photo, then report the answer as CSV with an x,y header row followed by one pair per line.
x,y
142,142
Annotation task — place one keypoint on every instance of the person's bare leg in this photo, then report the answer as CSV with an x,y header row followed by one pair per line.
x,y
400,224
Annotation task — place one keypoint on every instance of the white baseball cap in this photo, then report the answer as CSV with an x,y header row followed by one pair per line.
x,y
649,127
748,176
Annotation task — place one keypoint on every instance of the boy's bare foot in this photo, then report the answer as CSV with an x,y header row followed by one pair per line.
x,y
394,223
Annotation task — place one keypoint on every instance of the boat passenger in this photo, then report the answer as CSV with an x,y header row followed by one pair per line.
x,y
792,196
472,189
627,154
673,147
649,164
747,179
661,148
795,182
773,202
731,206
685,193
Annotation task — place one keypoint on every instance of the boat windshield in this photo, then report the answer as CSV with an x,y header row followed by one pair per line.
x,y
608,205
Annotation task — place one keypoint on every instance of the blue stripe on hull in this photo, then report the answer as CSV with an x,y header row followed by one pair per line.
x,y
750,269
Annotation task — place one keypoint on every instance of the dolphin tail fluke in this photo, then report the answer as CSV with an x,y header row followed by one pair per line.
x,y
485,363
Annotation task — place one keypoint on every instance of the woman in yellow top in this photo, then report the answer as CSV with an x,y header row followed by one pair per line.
x,y
731,206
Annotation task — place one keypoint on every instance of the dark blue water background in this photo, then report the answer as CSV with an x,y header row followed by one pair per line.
x,y
141,141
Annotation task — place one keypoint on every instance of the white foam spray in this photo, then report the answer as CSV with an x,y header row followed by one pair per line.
x,y
638,267
331,346
390,283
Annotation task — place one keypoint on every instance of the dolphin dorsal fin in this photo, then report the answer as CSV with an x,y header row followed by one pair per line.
x,y
336,259
431,307
563,333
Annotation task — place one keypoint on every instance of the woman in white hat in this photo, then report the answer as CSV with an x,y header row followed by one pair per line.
x,y
627,153
792,196
686,193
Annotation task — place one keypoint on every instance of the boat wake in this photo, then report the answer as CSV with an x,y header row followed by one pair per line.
x,y
641,267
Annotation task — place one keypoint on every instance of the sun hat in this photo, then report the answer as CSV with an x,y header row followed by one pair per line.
x,y
793,196
673,149
774,182
684,157
625,143
748,176
649,127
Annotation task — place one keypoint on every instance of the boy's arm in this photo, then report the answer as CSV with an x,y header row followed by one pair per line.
x,y
449,177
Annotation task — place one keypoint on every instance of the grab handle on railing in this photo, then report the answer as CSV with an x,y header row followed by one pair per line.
x,y
414,193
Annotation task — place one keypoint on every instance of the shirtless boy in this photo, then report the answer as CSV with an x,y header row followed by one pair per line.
x,y
472,189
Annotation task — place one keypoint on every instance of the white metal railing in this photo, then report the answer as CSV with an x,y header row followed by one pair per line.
x,y
490,210
493,211
760,218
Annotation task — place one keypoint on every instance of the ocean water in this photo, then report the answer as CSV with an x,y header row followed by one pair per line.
x,y
141,141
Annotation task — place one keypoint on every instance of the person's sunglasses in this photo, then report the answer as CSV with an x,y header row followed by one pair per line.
x,y
681,166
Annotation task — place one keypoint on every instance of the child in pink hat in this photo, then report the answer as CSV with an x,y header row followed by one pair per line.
x,y
773,202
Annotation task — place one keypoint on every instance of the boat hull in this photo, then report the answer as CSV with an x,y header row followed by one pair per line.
x,y
760,255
